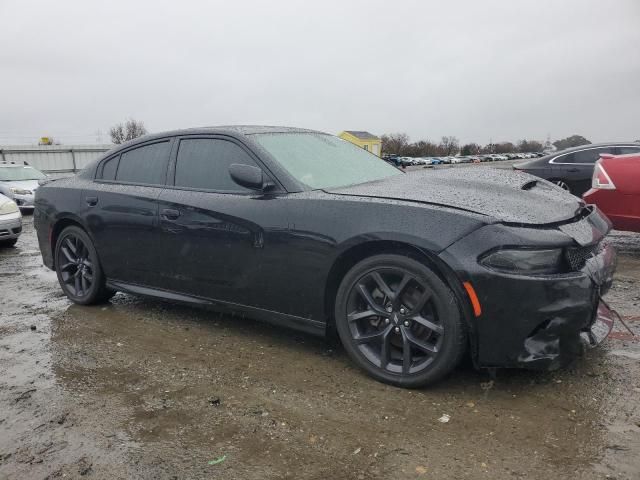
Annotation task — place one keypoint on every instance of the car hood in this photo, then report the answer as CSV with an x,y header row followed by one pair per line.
x,y
24,184
505,195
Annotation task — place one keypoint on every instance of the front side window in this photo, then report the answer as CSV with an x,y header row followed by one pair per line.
x,y
147,164
203,164
319,161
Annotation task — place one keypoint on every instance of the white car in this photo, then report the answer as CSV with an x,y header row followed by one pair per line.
x,y
10,222
19,182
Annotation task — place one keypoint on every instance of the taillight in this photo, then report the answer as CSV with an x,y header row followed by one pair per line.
x,y
601,178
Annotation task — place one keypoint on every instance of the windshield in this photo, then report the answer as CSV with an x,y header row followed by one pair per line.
x,y
324,161
8,174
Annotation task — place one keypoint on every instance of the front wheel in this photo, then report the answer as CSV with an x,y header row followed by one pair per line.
x,y
399,321
78,268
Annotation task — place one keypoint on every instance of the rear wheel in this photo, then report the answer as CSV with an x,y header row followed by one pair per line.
x,y
78,268
399,321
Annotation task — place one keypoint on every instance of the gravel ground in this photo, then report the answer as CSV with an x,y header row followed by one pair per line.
x,y
145,389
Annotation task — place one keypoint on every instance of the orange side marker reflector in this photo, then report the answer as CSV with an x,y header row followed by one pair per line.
x,y
475,303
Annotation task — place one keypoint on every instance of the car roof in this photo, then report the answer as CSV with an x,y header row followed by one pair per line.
x,y
591,145
219,130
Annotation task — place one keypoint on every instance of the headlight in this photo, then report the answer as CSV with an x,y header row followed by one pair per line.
x,y
8,207
20,191
525,261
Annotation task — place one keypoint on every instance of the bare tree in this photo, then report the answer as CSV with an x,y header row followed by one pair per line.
x,y
395,143
572,141
123,133
526,146
504,147
449,146
470,149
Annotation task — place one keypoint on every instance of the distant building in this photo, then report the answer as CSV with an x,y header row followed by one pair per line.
x,y
365,140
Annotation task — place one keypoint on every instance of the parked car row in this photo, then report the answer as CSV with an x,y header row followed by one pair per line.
x,y
492,157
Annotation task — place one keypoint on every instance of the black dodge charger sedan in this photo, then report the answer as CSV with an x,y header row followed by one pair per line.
x,y
303,229
572,169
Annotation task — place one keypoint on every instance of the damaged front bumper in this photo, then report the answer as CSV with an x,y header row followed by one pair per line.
x,y
543,321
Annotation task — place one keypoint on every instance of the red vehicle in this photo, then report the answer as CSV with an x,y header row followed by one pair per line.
x,y
615,189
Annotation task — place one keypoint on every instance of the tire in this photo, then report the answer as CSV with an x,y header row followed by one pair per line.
x,y
78,268
8,243
425,320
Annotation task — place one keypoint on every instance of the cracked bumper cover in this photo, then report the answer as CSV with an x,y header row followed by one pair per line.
x,y
537,322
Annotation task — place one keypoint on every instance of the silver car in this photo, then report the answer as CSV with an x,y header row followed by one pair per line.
x,y
10,222
19,182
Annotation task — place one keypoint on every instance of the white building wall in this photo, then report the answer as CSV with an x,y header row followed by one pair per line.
x,y
53,158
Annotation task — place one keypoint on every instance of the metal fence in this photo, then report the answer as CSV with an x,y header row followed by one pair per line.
x,y
53,158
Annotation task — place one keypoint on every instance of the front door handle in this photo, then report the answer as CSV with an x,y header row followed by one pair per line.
x,y
170,213
91,201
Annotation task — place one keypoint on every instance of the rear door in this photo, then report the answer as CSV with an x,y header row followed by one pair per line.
x,y
122,211
217,238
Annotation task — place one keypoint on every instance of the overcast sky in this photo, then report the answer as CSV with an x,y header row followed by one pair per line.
x,y
479,70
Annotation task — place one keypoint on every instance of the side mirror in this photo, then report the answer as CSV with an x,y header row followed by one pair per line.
x,y
249,177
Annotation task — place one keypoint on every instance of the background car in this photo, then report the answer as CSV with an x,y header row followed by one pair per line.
x,y
19,182
10,222
572,169
615,189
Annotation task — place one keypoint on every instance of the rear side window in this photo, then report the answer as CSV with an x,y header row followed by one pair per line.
x,y
203,163
625,150
583,156
109,169
146,164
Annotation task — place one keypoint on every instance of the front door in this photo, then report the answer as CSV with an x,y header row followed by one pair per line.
x,y
214,233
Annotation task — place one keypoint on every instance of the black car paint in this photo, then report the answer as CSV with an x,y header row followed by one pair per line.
x,y
278,255
577,176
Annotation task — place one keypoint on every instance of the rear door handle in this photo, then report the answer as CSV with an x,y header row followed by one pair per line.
x,y
91,201
573,170
170,213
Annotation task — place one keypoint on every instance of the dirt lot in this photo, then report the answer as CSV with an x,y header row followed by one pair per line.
x,y
145,389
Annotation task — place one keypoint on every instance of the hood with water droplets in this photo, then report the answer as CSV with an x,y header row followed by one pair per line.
x,y
505,195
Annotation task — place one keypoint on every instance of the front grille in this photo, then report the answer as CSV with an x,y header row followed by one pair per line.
x,y
578,256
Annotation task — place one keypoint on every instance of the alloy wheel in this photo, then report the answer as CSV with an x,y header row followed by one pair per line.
x,y
76,268
393,320
562,185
